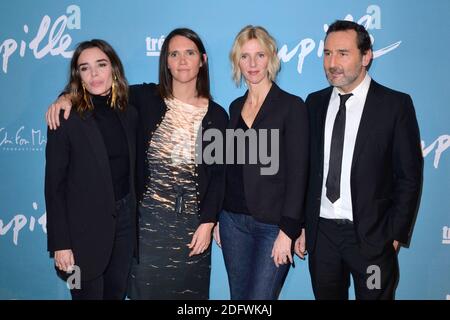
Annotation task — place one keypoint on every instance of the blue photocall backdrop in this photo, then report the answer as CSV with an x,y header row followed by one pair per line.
x,y
37,39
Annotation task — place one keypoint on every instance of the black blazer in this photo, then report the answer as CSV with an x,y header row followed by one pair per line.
x,y
210,179
386,171
279,198
79,192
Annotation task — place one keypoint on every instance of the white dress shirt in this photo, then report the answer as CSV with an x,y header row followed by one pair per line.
x,y
342,208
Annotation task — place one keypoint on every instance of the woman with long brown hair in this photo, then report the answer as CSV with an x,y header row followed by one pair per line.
x,y
89,177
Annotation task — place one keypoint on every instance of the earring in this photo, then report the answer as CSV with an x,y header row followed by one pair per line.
x,y
114,92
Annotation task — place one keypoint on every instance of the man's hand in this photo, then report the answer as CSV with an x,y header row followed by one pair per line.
x,y
216,235
64,260
300,245
396,245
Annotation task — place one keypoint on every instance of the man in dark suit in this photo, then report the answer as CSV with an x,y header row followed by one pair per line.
x,y
365,173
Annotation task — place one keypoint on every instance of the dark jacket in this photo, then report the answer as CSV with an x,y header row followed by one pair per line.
x,y
279,198
210,179
386,171
79,191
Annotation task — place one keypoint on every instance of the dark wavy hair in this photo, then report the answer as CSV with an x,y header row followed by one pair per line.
x,y
165,77
75,88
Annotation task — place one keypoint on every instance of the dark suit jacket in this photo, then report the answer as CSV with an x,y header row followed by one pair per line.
x,y
278,199
79,192
210,178
386,171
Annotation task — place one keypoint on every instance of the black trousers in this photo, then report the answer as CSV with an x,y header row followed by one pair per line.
x,y
337,256
112,284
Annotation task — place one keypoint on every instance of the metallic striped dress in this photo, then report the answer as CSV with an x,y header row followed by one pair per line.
x,y
169,213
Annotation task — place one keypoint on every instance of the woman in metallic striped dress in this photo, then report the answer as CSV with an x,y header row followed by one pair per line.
x,y
180,198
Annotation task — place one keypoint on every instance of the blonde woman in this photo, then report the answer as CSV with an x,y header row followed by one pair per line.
x,y
262,213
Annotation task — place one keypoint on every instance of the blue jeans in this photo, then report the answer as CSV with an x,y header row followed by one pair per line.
x,y
247,247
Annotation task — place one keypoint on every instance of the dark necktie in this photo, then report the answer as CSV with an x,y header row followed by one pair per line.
x,y
333,183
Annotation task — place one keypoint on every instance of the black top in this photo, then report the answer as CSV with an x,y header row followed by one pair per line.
x,y
116,145
278,197
210,178
235,195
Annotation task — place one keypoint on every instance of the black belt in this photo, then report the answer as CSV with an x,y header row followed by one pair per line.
x,y
339,221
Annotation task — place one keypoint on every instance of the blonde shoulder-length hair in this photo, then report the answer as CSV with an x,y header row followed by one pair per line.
x,y
267,42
